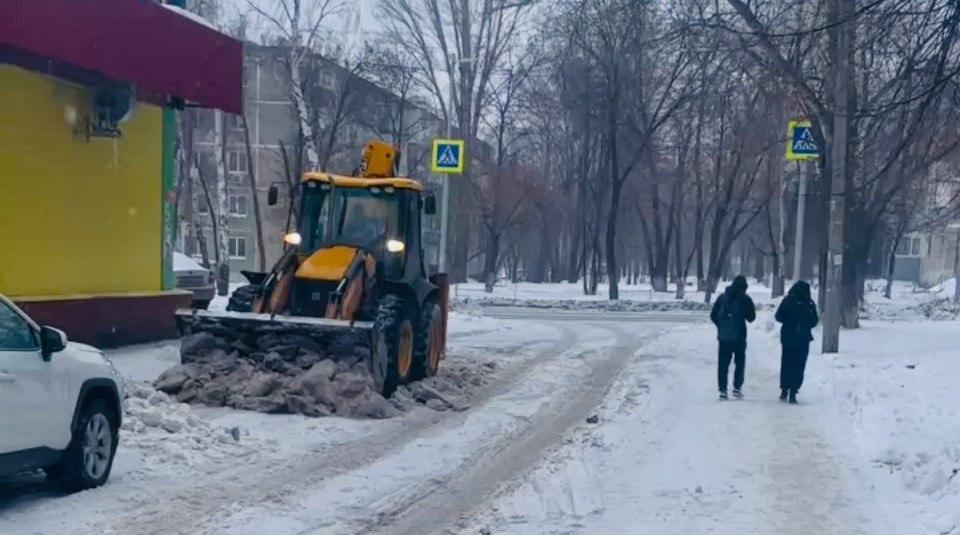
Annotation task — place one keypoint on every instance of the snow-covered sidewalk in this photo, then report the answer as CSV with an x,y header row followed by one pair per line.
x,y
872,448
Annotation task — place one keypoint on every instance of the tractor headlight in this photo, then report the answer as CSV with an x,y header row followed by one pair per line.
x,y
395,246
293,238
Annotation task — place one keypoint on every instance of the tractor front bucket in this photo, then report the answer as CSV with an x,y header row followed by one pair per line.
x,y
278,340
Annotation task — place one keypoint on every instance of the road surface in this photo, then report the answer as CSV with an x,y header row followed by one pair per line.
x,y
663,457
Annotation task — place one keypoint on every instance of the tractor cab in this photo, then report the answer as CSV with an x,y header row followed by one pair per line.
x,y
355,263
379,216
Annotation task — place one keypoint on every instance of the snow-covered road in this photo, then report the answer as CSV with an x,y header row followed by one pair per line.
x,y
527,456
667,457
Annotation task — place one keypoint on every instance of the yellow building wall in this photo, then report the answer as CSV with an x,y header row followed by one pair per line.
x,y
76,217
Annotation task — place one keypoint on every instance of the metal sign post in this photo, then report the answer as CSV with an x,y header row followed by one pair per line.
x,y
801,147
448,158
801,215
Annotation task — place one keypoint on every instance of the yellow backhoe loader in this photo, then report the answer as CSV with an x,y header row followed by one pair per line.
x,y
354,271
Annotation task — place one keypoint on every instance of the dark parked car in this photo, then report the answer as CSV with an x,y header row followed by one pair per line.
x,y
195,278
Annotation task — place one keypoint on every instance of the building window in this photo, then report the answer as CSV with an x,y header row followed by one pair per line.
x,y
237,247
910,246
236,161
202,207
238,205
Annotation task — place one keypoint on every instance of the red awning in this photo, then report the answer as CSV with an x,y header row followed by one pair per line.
x,y
162,53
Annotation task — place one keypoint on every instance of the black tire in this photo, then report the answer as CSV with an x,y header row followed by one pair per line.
x,y
424,346
393,334
241,300
72,472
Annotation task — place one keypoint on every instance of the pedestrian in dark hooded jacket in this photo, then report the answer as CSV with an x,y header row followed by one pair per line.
x,y
730,313
798,314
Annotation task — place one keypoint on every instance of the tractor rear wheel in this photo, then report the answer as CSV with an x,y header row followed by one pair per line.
x,y
429,343
393,340
241,300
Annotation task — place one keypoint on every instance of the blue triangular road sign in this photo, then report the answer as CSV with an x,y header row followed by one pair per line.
x,y
803,142
448,156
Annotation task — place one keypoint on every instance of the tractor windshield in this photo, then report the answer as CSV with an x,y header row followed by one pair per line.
x,y
364,217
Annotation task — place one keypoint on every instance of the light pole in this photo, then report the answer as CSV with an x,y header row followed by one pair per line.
x,y
445,199
838,155
801,212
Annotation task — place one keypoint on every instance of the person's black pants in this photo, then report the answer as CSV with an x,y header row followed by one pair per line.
x,y
793,361
736,351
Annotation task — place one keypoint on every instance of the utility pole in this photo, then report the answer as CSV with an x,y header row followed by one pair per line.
x,y
838,155
445,200
801,212
956,270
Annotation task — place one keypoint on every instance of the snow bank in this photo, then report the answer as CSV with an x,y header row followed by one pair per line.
x,y
895,386
162,431
571,304
564,291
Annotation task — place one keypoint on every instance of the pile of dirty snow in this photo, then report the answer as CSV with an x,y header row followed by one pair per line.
x,y
939,309
164,431
296,380
447,390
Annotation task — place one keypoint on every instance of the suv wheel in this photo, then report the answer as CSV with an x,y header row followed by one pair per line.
x,y
89,457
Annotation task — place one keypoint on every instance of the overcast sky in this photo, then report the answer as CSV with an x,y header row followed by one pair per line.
x,y
364,8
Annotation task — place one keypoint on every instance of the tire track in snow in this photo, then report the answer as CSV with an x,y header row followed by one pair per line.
x,y
192,508
428,504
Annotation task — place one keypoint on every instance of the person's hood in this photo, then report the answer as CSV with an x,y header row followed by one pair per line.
x,y
739,285
800,289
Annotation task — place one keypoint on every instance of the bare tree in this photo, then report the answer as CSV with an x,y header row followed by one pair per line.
x,y
464,41
299,23
254,197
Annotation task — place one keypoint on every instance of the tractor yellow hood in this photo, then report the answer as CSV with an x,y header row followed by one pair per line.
x,y
327,264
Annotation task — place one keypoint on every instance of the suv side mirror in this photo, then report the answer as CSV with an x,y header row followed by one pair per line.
x,y
52,341
430,205
272,195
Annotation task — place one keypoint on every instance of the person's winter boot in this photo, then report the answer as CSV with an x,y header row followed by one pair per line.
x,y
737,393
783,394
723,395
793,398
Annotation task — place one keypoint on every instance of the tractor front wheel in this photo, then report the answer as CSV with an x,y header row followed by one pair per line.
x,y
393,341
428,348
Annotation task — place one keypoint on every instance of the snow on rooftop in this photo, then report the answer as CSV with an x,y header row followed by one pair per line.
x,y
190,15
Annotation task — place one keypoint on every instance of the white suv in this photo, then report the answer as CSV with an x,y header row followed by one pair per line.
x,y
60,404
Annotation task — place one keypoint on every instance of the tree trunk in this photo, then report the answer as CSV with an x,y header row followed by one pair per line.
x,y
202,240
777,278
300,104
658,280
891,266
956,271
701,278
851,289
611,241
254,199
490,261
202,244
186,207
222,214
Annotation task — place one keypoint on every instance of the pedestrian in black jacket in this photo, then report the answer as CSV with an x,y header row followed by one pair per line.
x,y
730,313
798,314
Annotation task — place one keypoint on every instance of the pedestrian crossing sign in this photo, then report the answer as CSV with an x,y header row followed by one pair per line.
x,y
800,141
447,156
